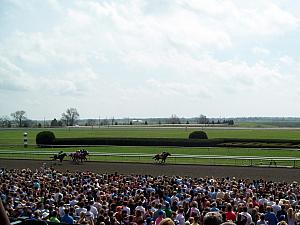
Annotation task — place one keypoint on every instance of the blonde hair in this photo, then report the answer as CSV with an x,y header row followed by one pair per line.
x,y
167,221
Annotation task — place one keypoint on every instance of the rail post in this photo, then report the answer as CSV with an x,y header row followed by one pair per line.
x,y
25,140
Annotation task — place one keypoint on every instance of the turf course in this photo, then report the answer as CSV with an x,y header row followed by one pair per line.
x,y
15,136
11,140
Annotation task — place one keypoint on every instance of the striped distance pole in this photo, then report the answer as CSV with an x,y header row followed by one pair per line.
x,y
25,140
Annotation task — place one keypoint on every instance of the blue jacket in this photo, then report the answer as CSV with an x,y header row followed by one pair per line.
x,y
271,218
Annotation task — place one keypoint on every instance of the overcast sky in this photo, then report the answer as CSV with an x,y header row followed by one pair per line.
x,y
154,58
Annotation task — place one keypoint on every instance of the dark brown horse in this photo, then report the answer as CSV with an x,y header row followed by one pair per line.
x,y
60,156
162,156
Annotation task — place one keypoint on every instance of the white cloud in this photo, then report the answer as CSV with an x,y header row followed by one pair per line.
x,y
287,60
99,48
260,51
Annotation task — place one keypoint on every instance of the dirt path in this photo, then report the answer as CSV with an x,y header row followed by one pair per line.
x,y
274,174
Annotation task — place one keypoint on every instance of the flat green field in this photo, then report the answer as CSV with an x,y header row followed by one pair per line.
x,y
11,140
15,136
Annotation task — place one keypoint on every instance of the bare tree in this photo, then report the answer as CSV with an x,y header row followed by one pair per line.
x,y
70,116
19,117
174,119
202,119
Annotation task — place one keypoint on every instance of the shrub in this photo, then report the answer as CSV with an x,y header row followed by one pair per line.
x,y
198,135
45,138
136,142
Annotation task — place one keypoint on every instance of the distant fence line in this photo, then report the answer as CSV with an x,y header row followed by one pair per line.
x,y
83,146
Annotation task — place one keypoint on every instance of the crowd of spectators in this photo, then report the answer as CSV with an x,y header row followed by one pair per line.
x,y
112,199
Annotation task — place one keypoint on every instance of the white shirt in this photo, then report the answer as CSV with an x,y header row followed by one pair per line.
x,y
262,201
276,208
61,211
79,210
94,210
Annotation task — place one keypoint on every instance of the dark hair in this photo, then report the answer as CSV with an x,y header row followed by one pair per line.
x,y
212,220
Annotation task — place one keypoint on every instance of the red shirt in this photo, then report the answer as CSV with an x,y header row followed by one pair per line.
x,y
230,216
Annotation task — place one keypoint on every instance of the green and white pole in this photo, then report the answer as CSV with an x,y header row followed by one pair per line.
x,y
25,139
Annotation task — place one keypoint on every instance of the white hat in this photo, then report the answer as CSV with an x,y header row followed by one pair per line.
x,y
44,215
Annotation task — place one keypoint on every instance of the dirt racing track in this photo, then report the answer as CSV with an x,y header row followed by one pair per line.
x,y
274,174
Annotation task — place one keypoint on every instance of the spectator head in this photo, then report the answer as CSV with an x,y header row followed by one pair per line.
x,y
88,207
161,213
81,204
194,204
229,223
167,221
282,223
212,219
281,218
54,214
67,211
148,220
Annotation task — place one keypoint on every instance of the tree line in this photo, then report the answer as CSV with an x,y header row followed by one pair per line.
x,y
71,116
19,119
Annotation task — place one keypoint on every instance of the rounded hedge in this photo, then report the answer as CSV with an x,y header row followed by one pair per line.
x,y
45,138
198,135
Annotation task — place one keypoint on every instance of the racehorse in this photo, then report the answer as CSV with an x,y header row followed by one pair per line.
x,y
162,156
59,156
79,155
